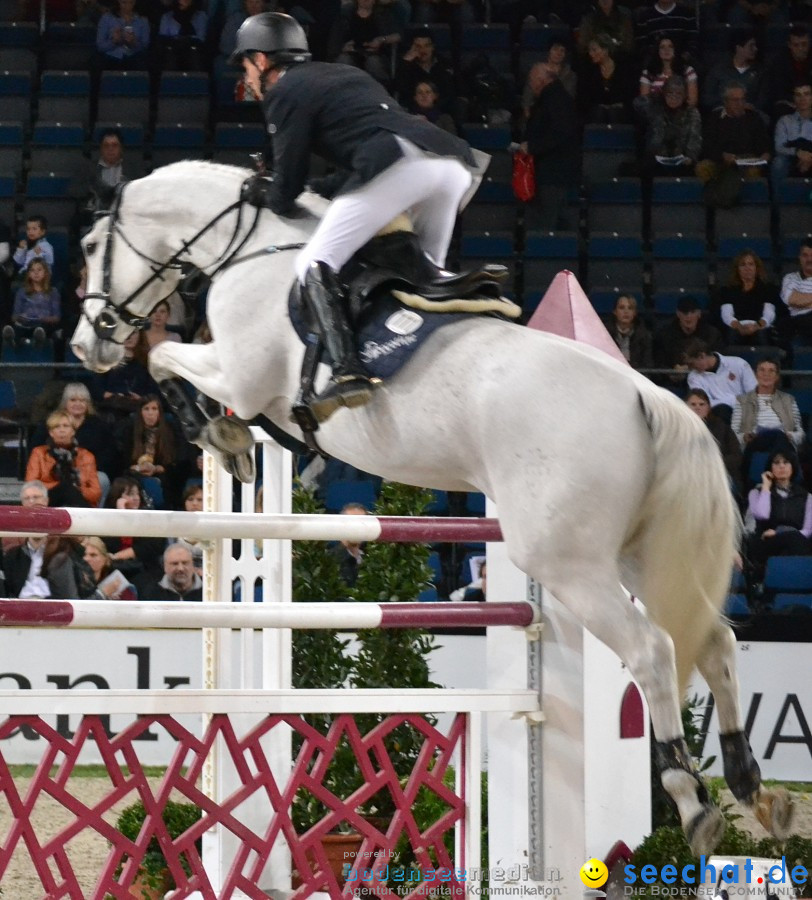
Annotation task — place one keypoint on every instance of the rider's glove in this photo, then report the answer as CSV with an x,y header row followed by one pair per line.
x,y
256,190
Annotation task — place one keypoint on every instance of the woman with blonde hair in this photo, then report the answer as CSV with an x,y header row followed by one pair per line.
x,y
66,469
97,556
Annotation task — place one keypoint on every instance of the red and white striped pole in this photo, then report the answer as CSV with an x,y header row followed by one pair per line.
x,y
347,616
16,520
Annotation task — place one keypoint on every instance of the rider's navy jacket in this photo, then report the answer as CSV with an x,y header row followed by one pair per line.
x,y
343,115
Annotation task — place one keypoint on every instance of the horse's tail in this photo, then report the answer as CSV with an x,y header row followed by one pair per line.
x,y
689,529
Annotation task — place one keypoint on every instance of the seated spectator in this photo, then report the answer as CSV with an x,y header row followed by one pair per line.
x,y
192,501
65,468
120,391
793,140
740,68
181,37
107,172
699,402
796,292
91,432
350,554
664,62
552,135
110,584
782,509
556,58
5,263
748,301
630,333
667,17
179,581
369,34
42,568
139,559
767,419
122,38
789,67
424,104
150,450
420,63
454,13
157,331
34,245
37,309
735,138
674,139
605,90
671,340
723,378
607,19
33,494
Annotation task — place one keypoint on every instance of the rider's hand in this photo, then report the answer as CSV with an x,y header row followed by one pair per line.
x,y
256,190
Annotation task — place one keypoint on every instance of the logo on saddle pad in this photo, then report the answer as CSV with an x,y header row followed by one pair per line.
x,y
403,323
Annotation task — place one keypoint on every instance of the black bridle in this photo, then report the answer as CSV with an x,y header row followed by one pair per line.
x,y
112,315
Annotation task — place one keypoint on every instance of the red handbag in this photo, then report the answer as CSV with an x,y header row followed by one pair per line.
x,y
524,176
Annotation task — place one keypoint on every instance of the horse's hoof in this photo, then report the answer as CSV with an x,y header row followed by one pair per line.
x,y
705,830
230,435
775,810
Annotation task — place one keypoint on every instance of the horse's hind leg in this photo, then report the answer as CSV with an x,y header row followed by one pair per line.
x,y
717,664
648,652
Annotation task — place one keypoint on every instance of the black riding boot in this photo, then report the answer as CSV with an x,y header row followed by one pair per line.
x,y
349,384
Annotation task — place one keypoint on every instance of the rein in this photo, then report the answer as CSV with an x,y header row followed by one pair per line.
x,y
106,322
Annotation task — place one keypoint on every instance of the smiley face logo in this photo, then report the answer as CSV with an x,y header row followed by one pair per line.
x,y
594,873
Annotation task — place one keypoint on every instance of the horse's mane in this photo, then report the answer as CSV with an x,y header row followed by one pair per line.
x,y
200,168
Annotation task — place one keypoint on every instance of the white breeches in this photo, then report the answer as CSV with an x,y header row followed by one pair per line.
x,y
429,189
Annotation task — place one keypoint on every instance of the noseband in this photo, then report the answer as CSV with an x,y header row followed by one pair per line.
x,y
112,315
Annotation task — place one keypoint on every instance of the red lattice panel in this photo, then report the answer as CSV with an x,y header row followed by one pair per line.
x,y
128,782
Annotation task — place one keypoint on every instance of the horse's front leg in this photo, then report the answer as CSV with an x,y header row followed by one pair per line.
x,y
773,807
228,438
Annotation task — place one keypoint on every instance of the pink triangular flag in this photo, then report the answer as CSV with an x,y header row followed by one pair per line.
x,y
565,310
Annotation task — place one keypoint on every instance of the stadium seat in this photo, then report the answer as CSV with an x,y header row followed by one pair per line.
x,y
19,34
172,143
50,194
16,88
475,503
183,97
614,259
339,493
439,505
603,300
545,255
234,141
11,151
679,261
611,202
665,302
728,248
789,573
123,97
57,147
677,206
750,215
18,59
64,97
792,203
736,605
605,149
792,602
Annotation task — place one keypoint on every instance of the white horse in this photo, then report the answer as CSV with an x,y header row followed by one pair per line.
x,y
600,477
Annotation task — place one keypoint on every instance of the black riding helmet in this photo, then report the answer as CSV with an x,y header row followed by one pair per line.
x,y
279,36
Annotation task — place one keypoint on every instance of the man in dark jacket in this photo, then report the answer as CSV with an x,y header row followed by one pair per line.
x,y
180,581
396,162
552,135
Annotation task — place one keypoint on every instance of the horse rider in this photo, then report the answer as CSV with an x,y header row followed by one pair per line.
x,y
396,162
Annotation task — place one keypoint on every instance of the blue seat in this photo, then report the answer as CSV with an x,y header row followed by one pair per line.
x,y
132,133
239,135
123,97
439,505
187,84
614,201
15,83
434,563
429,595
606,148
545,255
475,503
340,493
758,463
750,215
11,161
789,573
69,33
677,206
183,97
609,137
731,246
64,84
58,134
614,259
792,204
172,143
19,34
679,261
124,84
470,566
484,137
736,605
603,300
788,601
537,36
485,37
50,184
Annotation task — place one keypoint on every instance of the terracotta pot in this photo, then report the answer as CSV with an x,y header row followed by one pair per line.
x,y
340,848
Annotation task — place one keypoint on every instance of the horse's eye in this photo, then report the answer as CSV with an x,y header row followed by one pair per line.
x,y
90,249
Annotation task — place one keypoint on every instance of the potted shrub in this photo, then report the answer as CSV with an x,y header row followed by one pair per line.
x,y
154,879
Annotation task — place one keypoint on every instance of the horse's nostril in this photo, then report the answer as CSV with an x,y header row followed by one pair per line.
x,y
79,351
